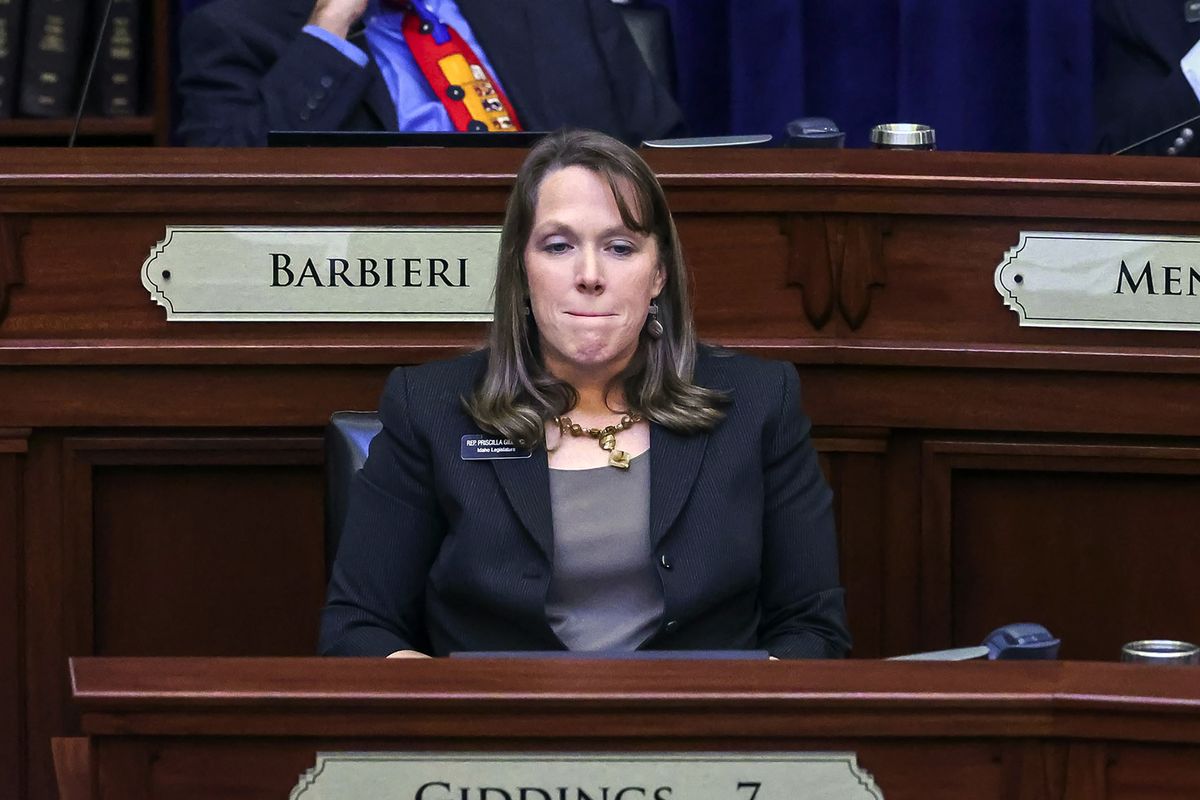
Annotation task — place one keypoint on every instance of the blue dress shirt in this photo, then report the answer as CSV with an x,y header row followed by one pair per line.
x,y
417,107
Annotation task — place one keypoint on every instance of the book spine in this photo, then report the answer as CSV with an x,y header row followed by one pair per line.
x,y
52,55
117,75
10,53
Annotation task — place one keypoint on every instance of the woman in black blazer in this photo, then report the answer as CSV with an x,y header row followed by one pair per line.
x,y
594,479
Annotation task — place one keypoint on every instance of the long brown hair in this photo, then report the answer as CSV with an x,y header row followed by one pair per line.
x,y
517,395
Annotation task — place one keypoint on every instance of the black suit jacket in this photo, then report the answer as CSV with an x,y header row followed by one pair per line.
x,y
1141,88
441,554
246,69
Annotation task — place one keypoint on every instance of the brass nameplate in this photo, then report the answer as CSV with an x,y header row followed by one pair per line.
x,y
550,776
1103,280
254,273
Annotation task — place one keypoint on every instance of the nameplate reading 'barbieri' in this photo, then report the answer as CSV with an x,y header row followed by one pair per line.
x,y
257,273
1103,280
552,776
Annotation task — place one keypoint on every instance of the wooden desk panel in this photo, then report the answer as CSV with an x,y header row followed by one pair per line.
x,y
185,728
12,746
871,271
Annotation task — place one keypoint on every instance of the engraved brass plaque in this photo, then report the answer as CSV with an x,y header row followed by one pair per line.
x,y
251,273
1103,280
600,776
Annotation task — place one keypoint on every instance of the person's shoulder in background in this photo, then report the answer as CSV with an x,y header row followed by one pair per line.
x,y
245,68
284,16
1140,86
585,70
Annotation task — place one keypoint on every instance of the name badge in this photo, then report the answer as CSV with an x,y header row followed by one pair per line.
x,y
477,447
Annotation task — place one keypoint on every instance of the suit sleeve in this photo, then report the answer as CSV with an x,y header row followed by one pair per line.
x,y
1140,90
235,84
375,602
803,605
646,107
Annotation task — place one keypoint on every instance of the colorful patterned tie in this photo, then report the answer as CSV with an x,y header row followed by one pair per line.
x,y
458,77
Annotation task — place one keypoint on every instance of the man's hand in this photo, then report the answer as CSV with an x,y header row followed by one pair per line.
x,y
336,16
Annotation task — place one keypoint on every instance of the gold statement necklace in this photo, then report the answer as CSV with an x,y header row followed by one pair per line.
x,y
607,436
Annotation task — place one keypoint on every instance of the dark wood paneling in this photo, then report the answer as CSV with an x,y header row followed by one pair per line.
x,y
906,246
1005,400
124,770
1089,556
182,397
177,543
870,271
83,286
198,546
900,595
853,463
1152,773
1085,539
214,560
936,292
49,614
758,299
13,446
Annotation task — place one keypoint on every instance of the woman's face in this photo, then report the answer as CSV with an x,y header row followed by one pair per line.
x,y
591,279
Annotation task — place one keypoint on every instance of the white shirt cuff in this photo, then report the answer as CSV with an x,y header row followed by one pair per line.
x,y
1190,64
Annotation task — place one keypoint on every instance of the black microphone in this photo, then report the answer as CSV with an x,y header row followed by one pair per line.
x,y
1153,136
91,73
814,132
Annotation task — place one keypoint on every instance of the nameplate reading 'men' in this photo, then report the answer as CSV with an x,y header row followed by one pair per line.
x,y
1057,279
553,776
252,273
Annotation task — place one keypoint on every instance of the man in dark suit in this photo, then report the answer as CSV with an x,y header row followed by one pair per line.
x,y
1149,75
252,66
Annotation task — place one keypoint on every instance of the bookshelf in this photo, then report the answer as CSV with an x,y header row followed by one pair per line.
x,y
150,126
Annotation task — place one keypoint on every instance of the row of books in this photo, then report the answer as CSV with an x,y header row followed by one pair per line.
x,y
45,49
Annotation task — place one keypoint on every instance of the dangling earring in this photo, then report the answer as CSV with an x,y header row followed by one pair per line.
x,y
528,309
653,326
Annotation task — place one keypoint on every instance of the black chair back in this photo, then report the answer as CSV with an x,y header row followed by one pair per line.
x,y
347,439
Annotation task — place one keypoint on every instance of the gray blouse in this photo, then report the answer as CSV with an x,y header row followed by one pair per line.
x,y
604,591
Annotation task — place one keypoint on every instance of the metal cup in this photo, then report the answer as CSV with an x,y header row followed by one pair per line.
x,y
1161,651
903,136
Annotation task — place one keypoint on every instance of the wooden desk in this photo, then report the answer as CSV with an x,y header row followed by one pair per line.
x,y
160,484
247,728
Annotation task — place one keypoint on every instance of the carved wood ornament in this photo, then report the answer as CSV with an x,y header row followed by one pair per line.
x,y
836,260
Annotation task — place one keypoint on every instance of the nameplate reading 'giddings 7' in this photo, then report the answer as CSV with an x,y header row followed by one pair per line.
x,y
554,776
1103,280
257,273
